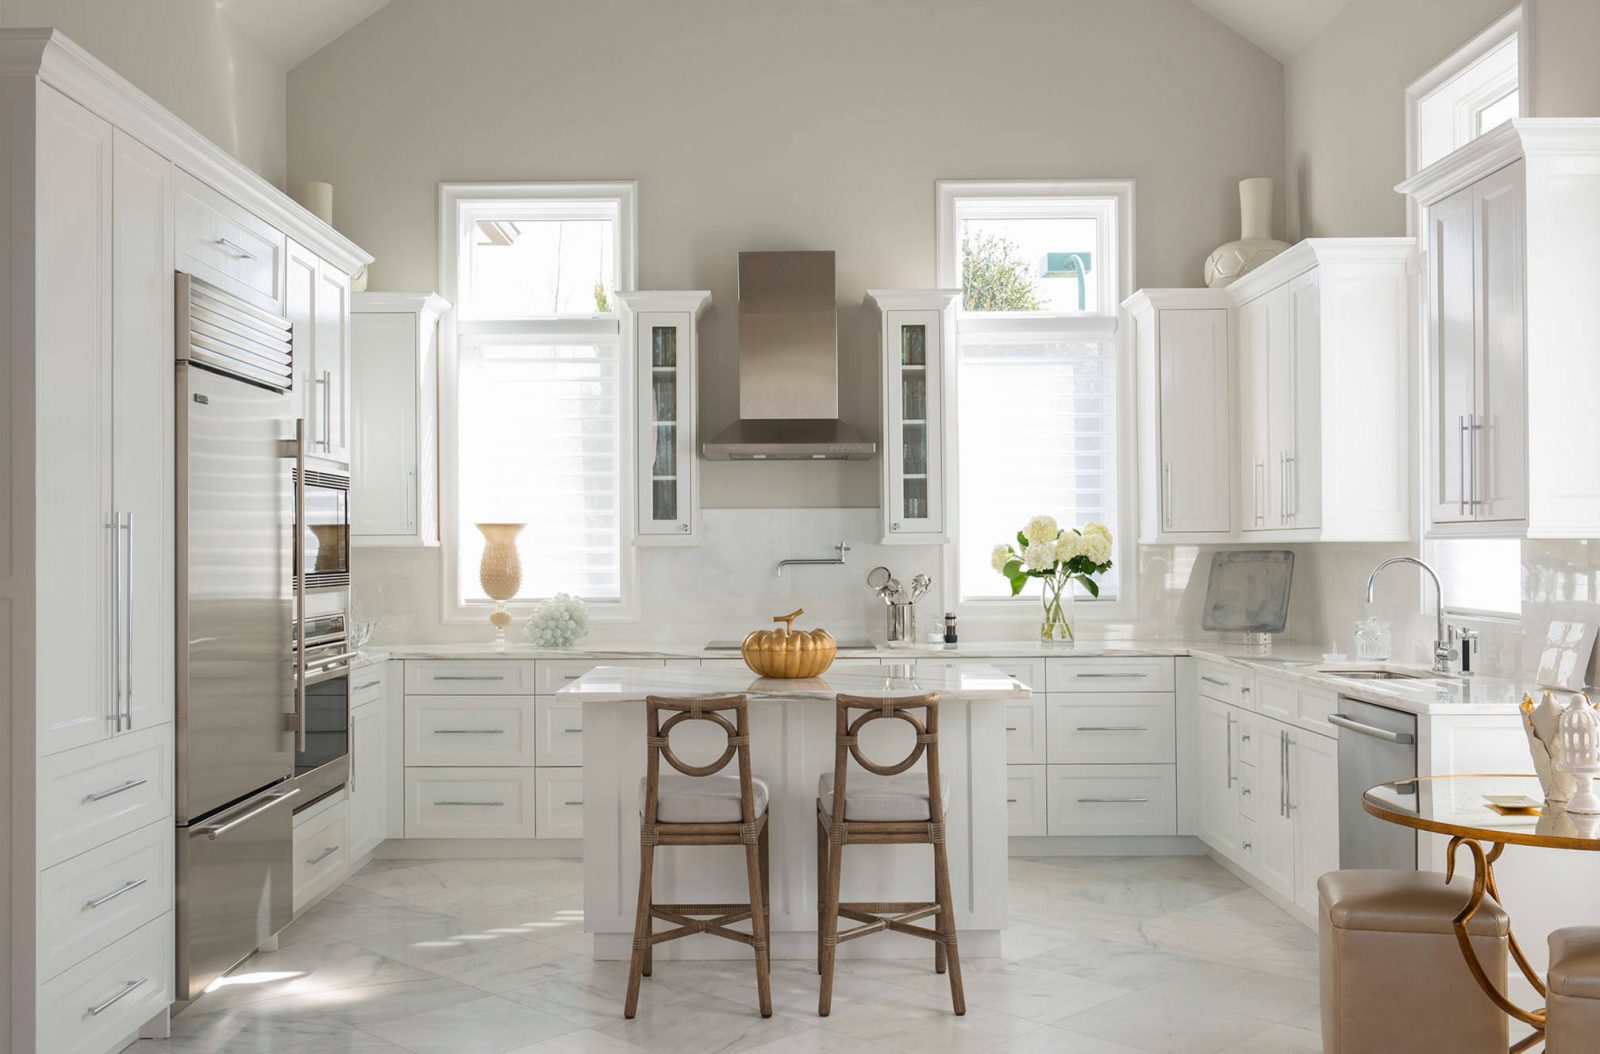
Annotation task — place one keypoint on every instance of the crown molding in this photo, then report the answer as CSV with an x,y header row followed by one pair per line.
x,y
1517,138
53,58
692,300
1317,252
1144,302
387,302
912,299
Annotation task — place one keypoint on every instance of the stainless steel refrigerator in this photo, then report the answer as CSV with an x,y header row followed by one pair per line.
x,y
237,448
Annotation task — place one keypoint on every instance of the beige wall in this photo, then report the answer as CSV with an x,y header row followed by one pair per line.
x,y
190,59
1563,68
761,126
1345,109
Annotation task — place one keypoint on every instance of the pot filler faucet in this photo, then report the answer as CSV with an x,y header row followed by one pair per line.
x,y
1443,653
841,549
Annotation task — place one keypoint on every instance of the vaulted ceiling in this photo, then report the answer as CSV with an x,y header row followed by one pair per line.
x,y
293,30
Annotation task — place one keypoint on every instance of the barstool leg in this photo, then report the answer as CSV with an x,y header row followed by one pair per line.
x,y
642,927
822,884
947,925
758,921
830,927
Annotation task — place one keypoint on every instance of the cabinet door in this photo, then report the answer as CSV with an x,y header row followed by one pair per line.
x,y
331,362
913,500
75,531
1314,806
383,449
1254,320
1219,803
1282,406
666,378
300,296
1275,827
1497,464
1302,487
1195,463
1451,325
142,427
369,801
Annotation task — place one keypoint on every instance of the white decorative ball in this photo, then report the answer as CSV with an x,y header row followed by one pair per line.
x,y
558,622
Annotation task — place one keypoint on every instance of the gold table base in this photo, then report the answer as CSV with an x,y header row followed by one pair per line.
x,y
1483,882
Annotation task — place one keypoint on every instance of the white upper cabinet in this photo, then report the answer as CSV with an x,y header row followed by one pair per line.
x,y
222,242
1324,392
1511,220
1185,400
918,348
664,330
394,439
317,299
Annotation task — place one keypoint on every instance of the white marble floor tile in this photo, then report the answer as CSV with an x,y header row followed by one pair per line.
x,y
1113,962
302,1032
667,1023
1050,1040
502,967
913,1029
584,1041
484,1026
1165,1024
1254,993
1280,1039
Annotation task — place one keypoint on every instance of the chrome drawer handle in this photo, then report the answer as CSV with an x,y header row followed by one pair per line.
x,y
1113,801
236,249
114,894
369,684
128,786
1246,847
96,1011
578,802
1112,728
1214,680
469,731
1115,676
214,831
572,731
1011,801
469,677
1011,728
486,804
571,676
320,857
1403,738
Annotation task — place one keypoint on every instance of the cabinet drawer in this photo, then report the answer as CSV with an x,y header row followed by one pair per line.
x,y
469,803
1113,799
100,896
1224,683
469,677
367,684
1029,671
321,855
469,730
1246,740
103,1000
1312,707
1246,782
556,674
1026,793
559,795
1275,698
1025,731
94,794
1247,842
560,732
1127,728
223,243
1111,675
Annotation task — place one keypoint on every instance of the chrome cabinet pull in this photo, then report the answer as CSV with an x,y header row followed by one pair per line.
x,y
469,731
1472,455
1011,801
1245,846
1213,680
327,410
299,583
487,804
1112,728
579,731
127,990
118,789
238,251
411,501
128,887
469,677
1113,801
1283,774
127,628
1461,464
364,687
578,802
216,830
1167,487
1283,487
1228,763
1112,676
320,857
1288,775
1258,510
1341,721
116,621
1291,498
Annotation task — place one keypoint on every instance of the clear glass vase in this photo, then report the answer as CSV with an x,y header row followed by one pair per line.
x,y
1055,623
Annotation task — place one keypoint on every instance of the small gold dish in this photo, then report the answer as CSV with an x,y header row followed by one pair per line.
x,y
788,652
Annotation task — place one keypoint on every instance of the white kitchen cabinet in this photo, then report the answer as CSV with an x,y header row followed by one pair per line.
x,y
665,330
1185,401
1324,383
559,795
222,242
917,352
321,850
1276,831
394,407
1115,800
1219,800
1027,795
368,786
1314,804
317,301
1509,312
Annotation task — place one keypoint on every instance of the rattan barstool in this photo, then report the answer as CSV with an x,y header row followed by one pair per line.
x,y
883,807
701,808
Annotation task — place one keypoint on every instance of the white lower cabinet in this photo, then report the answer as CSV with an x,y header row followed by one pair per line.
x,y
103,895
1027,794
369,784
93,794
100,1002
1219,797
470,803
1314,803
1026,739
1113,800
470,730
321,850
558,794
559,732
1126,728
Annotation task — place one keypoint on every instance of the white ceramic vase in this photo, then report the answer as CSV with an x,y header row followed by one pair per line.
x,y
1255,245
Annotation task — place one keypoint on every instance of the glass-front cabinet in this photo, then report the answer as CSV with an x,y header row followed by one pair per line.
x,y
915,332
663,327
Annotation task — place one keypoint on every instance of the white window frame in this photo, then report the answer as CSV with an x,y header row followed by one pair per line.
x,y
1013,614
598,327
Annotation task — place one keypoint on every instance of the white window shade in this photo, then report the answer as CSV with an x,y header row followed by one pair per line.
x,y
540,443
1038,435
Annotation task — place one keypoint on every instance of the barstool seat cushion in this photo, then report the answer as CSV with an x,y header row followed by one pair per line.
x,y
703,799
1575,962
1405,902
871,798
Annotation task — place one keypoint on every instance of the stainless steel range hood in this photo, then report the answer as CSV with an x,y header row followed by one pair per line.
x,y
788,365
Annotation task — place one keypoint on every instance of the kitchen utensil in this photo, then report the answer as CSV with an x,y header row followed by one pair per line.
x,y
789,652
920,586
883,582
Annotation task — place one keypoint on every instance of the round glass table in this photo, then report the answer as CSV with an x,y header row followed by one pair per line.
x,y
1474,811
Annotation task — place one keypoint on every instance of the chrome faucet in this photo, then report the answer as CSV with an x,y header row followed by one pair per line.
x,y
841,549
1443,653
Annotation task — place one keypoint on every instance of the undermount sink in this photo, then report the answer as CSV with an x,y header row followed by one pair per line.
x,y
1379,675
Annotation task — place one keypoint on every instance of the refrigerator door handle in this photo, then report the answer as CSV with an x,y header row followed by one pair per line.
x,y
299,583
217,830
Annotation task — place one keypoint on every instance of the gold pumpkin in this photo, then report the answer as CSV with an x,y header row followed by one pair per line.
x,y
789,652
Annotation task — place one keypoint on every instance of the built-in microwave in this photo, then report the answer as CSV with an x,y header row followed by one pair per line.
x,y
324,548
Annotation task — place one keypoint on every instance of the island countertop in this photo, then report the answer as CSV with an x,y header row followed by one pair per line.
x,y
622,683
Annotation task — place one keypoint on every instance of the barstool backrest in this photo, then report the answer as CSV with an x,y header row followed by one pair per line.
x,y
715,711
853,712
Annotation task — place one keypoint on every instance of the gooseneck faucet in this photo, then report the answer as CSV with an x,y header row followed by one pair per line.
x,y
841,549
1442,652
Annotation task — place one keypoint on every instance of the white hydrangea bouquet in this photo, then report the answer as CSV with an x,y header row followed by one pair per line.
x,y
558,622
1057,557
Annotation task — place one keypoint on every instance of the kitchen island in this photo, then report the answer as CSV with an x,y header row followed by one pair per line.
x,y
792,745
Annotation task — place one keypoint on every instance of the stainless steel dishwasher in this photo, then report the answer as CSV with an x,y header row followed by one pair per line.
x,y
1376,745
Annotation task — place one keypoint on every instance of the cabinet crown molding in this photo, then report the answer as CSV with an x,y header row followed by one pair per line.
x,y
56,60
637,300
1314,252
912,299
1518,137
1144,301
414,303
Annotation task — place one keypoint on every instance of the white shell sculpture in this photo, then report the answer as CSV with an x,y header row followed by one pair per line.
x,y
1255,245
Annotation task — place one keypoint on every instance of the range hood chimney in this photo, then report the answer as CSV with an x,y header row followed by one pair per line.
x,y
788,365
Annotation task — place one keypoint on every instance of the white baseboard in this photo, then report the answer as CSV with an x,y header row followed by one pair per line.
x,y
1133,845
493,848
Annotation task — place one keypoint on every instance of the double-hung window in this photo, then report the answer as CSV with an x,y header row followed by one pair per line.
x,y
1041,381
535,398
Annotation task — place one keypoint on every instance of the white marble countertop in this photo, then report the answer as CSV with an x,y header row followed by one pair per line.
x,y
610,684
